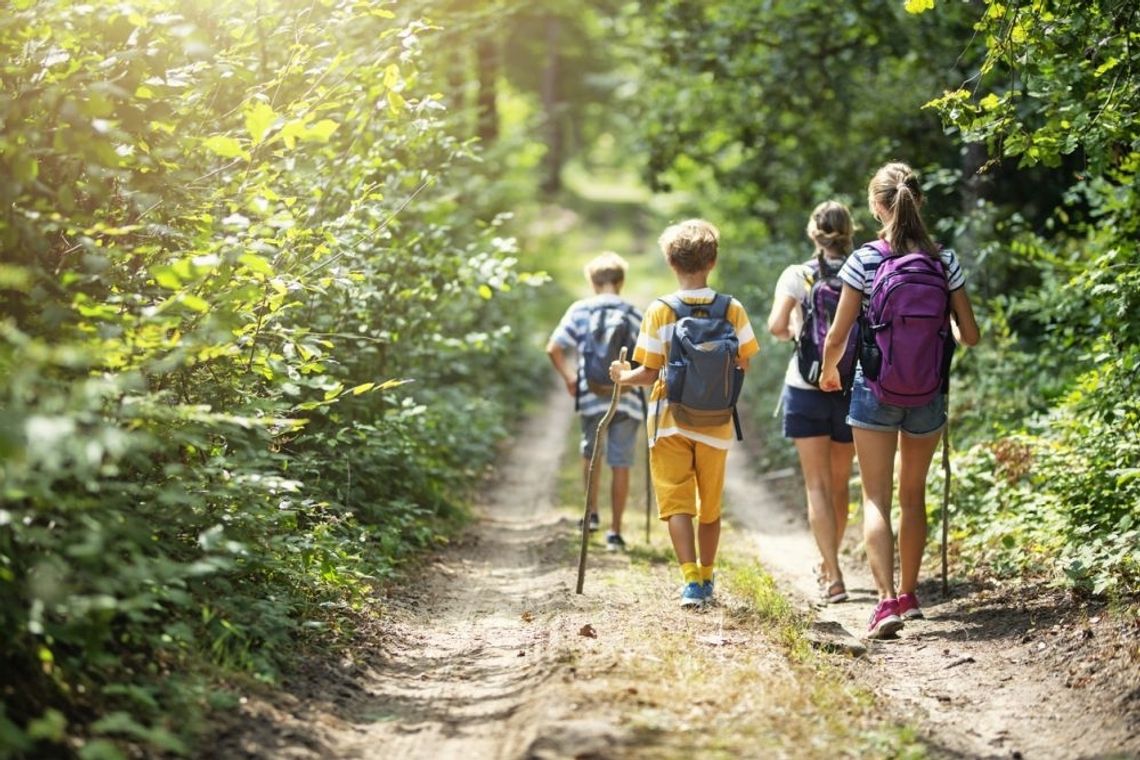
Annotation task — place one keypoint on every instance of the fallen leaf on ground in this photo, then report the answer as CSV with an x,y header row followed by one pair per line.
x,y
588,630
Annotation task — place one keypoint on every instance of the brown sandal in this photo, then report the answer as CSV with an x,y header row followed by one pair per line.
x,y
835,593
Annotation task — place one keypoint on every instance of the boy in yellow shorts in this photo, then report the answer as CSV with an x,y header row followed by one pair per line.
x,y
687,456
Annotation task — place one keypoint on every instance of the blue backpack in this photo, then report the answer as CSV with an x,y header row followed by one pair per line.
x,y
609,330
702,381
819,312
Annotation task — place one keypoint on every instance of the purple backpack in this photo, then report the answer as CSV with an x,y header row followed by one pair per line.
x,y
819,312
906,327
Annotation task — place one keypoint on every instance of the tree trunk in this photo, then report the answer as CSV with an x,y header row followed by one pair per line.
x,y
552,107
487,62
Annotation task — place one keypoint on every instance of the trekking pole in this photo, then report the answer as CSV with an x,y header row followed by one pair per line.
x,y
648,492
945,500
603,425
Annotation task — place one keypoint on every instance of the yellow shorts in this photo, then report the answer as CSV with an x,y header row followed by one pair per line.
x,y
688,477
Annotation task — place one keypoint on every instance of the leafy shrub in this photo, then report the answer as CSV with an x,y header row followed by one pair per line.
x,y
253,356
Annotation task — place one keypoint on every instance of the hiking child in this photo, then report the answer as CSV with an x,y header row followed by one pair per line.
x,y
815,420
910,295
689,439
595,329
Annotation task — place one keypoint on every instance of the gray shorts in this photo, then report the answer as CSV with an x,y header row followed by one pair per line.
x,y
621,439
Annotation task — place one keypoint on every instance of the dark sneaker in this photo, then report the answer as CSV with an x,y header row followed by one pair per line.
x,y
709,588
908,607
885,620
614,542
595,523
693,595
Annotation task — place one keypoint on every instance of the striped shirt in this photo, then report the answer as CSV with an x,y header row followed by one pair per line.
x,y
571,334
653,351
859,271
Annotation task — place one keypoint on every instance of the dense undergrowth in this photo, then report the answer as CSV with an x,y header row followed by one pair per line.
x,y
258,337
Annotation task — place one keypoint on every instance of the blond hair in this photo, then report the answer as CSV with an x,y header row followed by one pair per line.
x,y
608,268
831,229
690,246
895,190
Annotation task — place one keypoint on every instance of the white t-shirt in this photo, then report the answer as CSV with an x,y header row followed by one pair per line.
x,y
794,282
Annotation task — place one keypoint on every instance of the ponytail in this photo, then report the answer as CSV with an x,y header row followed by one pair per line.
x,y
895,188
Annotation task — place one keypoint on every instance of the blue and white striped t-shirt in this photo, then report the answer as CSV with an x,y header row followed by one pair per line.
x,y
859,270
570,334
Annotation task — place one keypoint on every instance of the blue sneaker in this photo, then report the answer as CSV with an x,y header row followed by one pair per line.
x,y
708,587
693,595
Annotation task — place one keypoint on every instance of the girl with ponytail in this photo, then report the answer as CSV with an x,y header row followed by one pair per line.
x,y
882,428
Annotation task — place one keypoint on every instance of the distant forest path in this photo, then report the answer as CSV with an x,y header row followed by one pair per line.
x,y
488,653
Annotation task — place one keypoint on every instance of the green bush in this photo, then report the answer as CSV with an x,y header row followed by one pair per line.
x,y
253,353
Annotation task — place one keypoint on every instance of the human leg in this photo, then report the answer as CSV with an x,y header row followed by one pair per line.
x,y
621,445
709,463
876,452
815,461
915,456
589,427
674,482
842,455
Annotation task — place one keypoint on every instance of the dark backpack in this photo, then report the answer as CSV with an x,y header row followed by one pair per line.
x,y
702,381
819,312
608,331
906,328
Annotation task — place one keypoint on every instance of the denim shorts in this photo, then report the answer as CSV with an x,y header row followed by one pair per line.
x,y
621,439
812,413
868,413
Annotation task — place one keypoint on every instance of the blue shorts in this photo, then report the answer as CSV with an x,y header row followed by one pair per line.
x,y
813,413
621,439
868,413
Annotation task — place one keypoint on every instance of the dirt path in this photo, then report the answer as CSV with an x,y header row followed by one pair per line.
x,y
989,673
490,654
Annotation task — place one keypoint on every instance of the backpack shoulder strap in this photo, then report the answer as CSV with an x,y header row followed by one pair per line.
x,y
679,307
718,309
880,246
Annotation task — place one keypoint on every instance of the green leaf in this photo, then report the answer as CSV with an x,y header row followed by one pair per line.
x,y
51,726
362,388
100,749
226,147
194,303
258,119
485,292
256,263
396,102
990,102
166,277
320,132
919,6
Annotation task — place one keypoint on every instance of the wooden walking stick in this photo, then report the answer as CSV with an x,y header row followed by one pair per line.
x,y
945,500
648,492
603,425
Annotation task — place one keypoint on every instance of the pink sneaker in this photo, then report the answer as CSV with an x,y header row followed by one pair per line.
x,y
885,620
908,607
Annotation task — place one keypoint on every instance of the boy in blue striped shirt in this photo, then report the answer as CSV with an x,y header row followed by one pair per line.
x,y
606,274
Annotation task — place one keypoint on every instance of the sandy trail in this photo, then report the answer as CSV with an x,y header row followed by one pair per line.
x,y
484,657
984,676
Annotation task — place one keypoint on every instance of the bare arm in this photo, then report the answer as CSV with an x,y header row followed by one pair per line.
x,y
621,372
558,359
779,319
850,301
964,325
